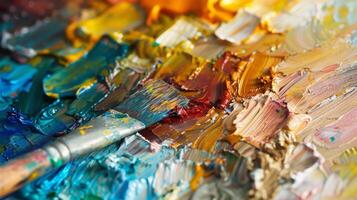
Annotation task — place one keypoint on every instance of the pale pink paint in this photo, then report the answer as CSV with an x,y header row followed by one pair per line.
x,y
339,133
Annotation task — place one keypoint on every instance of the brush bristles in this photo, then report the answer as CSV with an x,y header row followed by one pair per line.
x,y
153,102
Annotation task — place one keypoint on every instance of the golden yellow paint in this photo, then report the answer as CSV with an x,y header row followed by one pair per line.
x,y
256,77
197,179
233,5
209,9
343,12
207,139
53,95
116,19
262,7
181,66
200,174
107,132
119,18
174,6
350,153
86,84
266,44
125,120
215,11
202,132
154,14
33,175
117,36
232,139
82,129
347,172
146,49
72,35
75,56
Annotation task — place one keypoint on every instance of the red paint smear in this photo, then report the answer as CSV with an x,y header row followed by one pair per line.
x,y
228,62
208,89
192,111
330,68
211,83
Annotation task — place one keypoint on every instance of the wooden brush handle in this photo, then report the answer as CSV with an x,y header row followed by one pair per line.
x,y
18,172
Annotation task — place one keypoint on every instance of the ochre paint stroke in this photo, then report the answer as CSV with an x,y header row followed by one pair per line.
x,y
257,75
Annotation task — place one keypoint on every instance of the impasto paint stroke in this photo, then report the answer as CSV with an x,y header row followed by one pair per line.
x,y
164,99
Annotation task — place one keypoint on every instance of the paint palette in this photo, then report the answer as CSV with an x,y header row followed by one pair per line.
x,y
236,99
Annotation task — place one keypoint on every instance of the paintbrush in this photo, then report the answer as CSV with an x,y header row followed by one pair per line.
x,y
145,107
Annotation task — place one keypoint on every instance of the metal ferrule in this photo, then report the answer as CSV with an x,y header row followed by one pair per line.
x,y
102,131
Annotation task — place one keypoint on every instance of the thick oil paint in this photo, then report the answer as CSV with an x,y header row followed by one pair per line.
x,y
163,99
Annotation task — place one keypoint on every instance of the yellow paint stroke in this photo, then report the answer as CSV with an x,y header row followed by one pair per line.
x,y
125,120
197,179
119,18
107,132
82,129
257,75
33,175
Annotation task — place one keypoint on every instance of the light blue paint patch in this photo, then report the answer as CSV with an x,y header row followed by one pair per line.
x,y
353,38
112,173
14,77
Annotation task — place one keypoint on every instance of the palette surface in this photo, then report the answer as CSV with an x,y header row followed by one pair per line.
x,y
178,99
